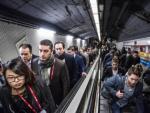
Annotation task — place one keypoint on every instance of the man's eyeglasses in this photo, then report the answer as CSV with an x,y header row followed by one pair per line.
x,y
13,79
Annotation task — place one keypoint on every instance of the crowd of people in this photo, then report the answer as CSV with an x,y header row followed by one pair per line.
x,y
38,83
123,79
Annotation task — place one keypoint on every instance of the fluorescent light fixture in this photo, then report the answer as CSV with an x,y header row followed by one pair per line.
x,y
78,42
148,41
45,32
94,7
78,39
69,38
83,43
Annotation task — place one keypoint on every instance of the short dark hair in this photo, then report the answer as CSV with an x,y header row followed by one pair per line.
x,y
135,52
76,48
71,48
24,46
19,67
60,42
47,42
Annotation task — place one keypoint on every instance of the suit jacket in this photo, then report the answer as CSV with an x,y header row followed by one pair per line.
x,y
80,66
34,63
71,65
60,83
34,58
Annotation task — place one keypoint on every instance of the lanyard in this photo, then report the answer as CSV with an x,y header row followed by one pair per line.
x,y
52,72
35,98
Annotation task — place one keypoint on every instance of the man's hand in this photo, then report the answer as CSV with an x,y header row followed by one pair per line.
x,y
119,94
84,74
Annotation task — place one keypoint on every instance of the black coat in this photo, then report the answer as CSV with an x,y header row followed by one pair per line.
x,y
108,72
71,65
14,103
34,63
60,83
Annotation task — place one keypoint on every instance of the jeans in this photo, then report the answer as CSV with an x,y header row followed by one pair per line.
x,y
116,108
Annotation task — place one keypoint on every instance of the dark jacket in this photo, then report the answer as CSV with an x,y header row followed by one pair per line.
x,y
13,104
34,63
71,65
128,62
80,66
136,60
116,83
60,82
34,58
108,72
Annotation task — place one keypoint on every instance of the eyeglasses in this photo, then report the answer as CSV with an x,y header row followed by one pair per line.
x,y
13,79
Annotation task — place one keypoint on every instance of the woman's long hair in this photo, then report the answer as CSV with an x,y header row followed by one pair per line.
x,y
19,67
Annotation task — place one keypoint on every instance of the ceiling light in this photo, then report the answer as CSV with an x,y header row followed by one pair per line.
x,y
45,32
69,38
94,8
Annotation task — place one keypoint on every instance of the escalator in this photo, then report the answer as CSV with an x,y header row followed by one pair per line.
x,y
84,96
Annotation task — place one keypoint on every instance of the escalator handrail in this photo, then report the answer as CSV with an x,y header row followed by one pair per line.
x,y
72,108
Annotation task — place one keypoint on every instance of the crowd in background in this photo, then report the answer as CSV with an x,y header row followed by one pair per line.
x,y
125,81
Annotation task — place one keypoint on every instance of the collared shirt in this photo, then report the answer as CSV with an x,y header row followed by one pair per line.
x,y
74,55
29,64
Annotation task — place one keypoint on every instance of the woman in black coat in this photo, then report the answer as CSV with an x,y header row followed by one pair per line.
x,y
24,93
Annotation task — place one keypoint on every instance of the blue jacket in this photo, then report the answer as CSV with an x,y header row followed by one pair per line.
x,y
80,66
116,83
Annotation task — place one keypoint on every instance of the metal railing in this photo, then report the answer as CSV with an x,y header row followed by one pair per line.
x,y
82,97
84,100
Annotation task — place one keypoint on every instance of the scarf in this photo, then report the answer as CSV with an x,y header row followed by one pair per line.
x,y
46,64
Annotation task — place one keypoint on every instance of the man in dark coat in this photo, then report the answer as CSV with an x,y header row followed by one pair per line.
x,y
68,59
79,61
53,71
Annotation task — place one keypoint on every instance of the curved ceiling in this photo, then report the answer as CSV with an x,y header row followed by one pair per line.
x,y
63,16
